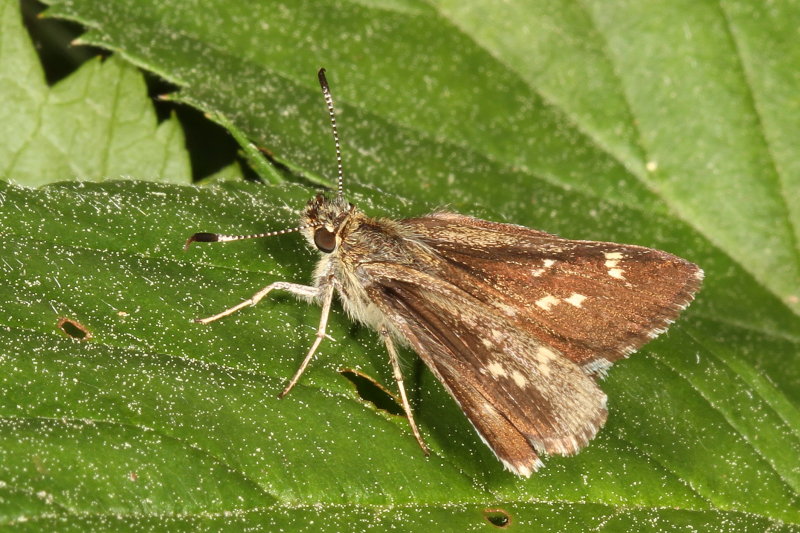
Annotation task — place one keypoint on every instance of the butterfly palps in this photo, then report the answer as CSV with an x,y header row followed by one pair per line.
x,y
517,324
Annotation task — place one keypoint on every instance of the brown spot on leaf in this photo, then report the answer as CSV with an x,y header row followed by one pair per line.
x,y
74,329
499,518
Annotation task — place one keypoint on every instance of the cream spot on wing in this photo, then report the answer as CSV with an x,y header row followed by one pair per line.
x,y
543,357
496,369
519,379
536,272
616,273
543,369
547,302
575,299
545,354
508,310
612,260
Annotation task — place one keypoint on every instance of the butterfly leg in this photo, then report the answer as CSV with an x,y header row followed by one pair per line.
x,y
326,291
302,291
398,377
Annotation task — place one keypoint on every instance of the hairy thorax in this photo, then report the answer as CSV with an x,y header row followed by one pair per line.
x,y
367,240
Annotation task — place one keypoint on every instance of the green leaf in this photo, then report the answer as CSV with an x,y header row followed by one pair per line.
x,y
96,124
94,427
555,119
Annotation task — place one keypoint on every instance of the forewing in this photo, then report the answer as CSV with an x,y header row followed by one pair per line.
x,y
523,396
593,301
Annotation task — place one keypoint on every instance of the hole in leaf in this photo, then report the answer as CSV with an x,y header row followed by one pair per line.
x,y
373,392
74,329
499,518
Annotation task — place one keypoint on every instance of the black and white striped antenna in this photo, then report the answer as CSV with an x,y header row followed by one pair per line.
x,y
218,237
326,92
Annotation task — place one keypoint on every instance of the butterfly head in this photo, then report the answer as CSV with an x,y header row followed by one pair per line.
x,y
325,221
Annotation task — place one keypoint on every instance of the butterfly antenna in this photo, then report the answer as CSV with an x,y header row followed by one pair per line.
x,y
326,93
218,237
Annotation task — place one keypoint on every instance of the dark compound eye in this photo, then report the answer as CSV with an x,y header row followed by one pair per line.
x,y
325,240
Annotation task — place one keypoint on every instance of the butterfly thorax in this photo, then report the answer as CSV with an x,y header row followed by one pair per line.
x,y
348,239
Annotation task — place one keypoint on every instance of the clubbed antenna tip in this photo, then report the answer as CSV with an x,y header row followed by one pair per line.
x,y
200,237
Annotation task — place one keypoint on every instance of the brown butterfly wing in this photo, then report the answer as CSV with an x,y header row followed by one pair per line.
x,y
595,302
523,397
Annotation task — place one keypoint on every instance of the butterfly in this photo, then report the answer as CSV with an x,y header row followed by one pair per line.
x,y
517,324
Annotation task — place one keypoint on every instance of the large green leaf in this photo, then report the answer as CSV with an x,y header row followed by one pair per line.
x,y
554,119
96,124
138,419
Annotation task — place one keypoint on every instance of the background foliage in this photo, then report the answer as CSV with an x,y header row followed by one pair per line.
x,y
666,124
